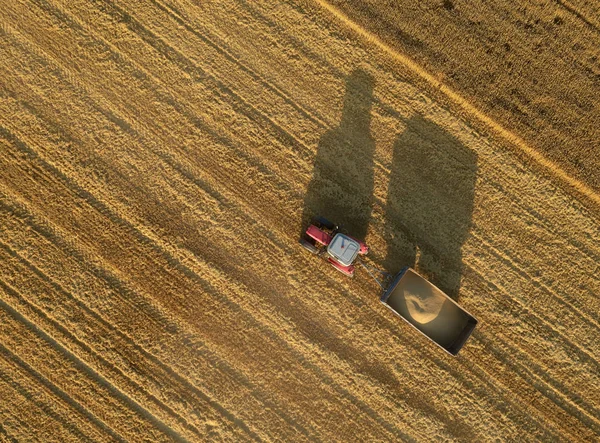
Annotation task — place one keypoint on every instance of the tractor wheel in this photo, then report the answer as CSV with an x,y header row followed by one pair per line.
x,y
310,247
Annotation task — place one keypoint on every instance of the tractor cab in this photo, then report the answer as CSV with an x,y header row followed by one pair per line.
x,y
343,249
323,238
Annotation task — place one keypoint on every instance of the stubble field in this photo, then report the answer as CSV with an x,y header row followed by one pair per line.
x,y
160,159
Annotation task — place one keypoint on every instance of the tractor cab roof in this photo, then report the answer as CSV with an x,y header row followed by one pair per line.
x,y
343,249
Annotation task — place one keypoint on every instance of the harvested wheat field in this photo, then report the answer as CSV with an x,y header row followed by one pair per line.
x,y
158,161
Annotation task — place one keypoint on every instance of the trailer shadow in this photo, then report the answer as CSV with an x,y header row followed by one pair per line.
x,y
430,203
341,188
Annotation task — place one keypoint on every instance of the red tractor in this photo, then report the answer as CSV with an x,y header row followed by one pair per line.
x,y
323,238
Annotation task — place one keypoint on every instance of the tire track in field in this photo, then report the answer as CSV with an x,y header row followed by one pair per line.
x,y
9,370
573,10
87,355
510,137
49,386
83,367
6,436
152,360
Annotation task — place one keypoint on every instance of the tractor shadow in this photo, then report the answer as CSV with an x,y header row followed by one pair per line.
x,y
341,188
430,203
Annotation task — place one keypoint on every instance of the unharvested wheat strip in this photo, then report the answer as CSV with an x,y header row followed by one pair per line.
x,y
94,360
31,411
64,369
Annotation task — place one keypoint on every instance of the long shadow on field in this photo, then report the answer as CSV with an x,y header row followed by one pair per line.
x,y
341,188
430,203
